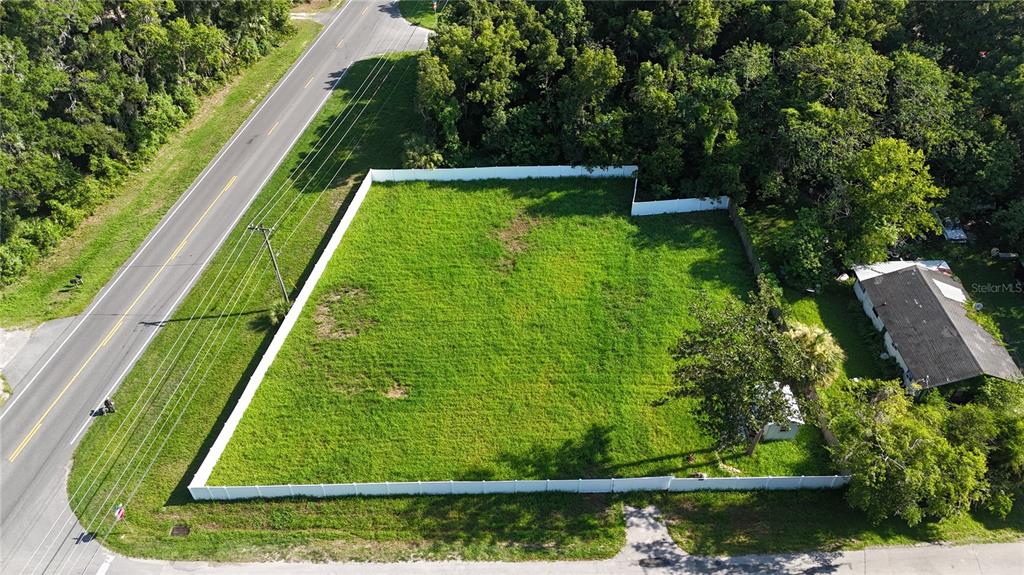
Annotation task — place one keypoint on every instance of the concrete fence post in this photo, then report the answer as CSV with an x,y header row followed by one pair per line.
x,y
259,493
833,483
387,488
768,482
801,484
291,492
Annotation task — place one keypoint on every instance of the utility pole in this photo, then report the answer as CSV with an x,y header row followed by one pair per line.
x,y
273,258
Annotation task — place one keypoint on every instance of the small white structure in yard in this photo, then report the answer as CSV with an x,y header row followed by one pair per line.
x,y
787,430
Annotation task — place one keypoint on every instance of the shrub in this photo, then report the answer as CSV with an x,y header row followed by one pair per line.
x,y
278,310
803,250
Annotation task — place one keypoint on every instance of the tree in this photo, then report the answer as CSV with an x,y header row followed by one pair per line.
x,y
920,109
592,124
887,195
993,424
735,364
900,463
90,90
870,20
1011,223
804,249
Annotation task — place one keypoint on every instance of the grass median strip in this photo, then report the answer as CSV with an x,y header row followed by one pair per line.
x,y
107,239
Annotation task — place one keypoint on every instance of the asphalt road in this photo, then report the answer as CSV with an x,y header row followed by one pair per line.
x,y
42,422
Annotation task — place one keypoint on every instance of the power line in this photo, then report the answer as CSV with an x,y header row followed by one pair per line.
x,y
228,264
275,199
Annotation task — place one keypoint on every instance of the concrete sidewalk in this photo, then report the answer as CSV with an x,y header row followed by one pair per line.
x,y
649,550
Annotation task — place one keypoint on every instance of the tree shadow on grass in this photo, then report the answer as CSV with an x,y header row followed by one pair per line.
x,y
549,521
743,523
582,457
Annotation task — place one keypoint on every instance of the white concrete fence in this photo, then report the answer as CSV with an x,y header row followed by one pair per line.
x,y
624,485
681,206
199,489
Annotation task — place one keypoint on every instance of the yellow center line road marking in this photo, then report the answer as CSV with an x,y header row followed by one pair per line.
x,y
308,82
272,128
120,322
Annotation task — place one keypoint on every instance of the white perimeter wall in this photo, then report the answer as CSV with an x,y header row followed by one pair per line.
x,y
500,173
629,484
682,206
199,489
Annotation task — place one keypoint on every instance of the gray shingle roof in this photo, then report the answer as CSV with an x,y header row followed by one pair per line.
x,y
932,332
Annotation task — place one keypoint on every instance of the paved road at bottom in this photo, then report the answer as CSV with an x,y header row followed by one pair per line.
x,y
42,422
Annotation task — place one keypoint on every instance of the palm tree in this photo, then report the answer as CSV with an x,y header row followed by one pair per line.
x,y
822,355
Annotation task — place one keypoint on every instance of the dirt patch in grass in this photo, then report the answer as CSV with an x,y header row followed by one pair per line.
x,y
337,315
513,238
397,391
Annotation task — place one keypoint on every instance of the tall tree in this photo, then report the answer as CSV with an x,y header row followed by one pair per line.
x,y
887,196
735,364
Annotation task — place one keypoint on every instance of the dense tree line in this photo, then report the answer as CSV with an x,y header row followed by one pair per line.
x,y
859,116
91,88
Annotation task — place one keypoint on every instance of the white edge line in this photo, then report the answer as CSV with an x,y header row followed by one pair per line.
x,y
106,565
181,202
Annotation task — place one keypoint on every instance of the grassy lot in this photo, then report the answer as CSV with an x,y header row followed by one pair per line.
x,y
106,239
475,527
421,12
781,521
499,330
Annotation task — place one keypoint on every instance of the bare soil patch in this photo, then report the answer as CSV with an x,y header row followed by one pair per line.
x,y
337,315
397,391
513,238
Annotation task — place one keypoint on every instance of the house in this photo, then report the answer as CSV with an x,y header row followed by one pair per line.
x,y
787,430
921,310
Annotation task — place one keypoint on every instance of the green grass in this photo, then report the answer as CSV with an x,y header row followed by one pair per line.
x,y
106,239
835,307
473,527
789,521
421,12
499,330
